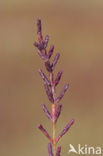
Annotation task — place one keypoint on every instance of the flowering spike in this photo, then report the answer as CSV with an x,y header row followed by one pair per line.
x,y
42,55
46,41
44,77
39,30
36,44
49,93
46,112
55,60
48,66
65,130
44,132
39,46
58,78
58,111
62,92
39,50
50,149
38,25
50,87
50,52
58,151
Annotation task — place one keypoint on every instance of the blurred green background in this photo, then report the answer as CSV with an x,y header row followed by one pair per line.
x,y
76,29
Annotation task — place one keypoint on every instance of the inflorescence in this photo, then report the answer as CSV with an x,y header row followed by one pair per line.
x,y
50,87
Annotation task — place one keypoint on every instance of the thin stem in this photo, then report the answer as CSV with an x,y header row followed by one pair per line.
x,y
54,127
53,112
54,138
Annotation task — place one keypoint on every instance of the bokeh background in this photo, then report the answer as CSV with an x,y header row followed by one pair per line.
x,y
76,29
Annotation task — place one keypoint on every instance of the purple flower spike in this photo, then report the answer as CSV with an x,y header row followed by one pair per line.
x,y
36,44
65,129
48,66
58,151
44,77
46,41
49,93
39,31
50,149
46,112
50,85
62,92
58,78
44,132
38,25
42,55
39,46
55,60
58,111
50,52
